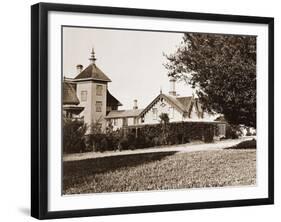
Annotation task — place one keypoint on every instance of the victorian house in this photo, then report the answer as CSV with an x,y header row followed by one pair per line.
x,y
87,96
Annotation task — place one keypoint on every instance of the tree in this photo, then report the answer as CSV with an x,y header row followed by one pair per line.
x,y
164,118
222,70
73,135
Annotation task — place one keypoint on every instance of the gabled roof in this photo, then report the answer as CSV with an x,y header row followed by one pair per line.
x,y
111,100
183,104
123,113
180,103
69,94
92,72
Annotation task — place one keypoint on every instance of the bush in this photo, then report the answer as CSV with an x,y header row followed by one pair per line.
x,y
232,132
153,135
248,144
73,136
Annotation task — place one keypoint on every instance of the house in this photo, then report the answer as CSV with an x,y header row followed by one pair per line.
x,y
87,96
91,89
118,119
178,108
71,108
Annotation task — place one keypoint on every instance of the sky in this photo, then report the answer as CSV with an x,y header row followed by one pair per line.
x,y
133,60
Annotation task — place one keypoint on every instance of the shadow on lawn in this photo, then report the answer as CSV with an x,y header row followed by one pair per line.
x,y
105,164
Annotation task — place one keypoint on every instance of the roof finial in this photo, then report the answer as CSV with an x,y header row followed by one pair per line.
x,y
160,89
93,57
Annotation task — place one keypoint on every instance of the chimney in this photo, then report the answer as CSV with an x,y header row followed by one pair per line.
x,y
79,68
172,86
135,104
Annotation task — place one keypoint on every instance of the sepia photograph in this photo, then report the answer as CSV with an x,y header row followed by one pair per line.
x,y
147,110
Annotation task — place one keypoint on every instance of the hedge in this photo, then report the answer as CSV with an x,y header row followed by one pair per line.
x,y
153,135
73,136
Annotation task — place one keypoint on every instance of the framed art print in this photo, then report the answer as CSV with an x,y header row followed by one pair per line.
x,y
137,110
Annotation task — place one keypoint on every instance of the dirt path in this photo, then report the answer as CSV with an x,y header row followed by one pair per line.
x,y
189,147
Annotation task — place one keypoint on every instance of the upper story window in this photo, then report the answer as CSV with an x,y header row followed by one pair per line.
x,y
83,95
99,90
155,113
98,106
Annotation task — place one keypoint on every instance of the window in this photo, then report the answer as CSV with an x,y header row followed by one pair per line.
x,y
98,106
221,129
83,95
136,121
125,122
114,122
99,90
171,112
154,110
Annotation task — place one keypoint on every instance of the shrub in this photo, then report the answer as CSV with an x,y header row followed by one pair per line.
x,y
232,132
73,136
248,144
153,135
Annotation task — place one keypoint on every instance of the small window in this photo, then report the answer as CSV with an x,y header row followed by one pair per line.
x,y
136,121
125,122
222,129
99,90
98,106
171,112
114,122
83,95
155,112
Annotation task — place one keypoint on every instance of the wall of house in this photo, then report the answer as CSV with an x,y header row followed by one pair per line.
x,y
194,117
85,86
90,112
98,117
117,123
165,107
162,107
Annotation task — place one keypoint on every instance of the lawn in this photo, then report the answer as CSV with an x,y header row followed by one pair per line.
x,y
165,170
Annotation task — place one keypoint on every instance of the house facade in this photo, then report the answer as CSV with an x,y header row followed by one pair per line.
x,y
91,88
178,108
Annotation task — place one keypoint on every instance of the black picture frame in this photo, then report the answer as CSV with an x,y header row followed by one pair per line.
x,y
39,109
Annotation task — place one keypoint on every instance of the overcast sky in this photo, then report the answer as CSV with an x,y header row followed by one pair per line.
x,y
133,60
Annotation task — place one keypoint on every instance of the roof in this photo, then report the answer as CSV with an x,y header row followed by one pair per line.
x,y
183,104
69,94
92,72
124,113
111,100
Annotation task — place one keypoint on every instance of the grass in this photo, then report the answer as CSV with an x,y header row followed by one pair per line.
x,y
166,170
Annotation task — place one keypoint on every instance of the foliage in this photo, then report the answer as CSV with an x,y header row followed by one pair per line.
x,y
162,170
73,136
232,131
248,144
164,118
153,135
222,70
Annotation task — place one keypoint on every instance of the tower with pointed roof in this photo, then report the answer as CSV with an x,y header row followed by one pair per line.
x,y
92,92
